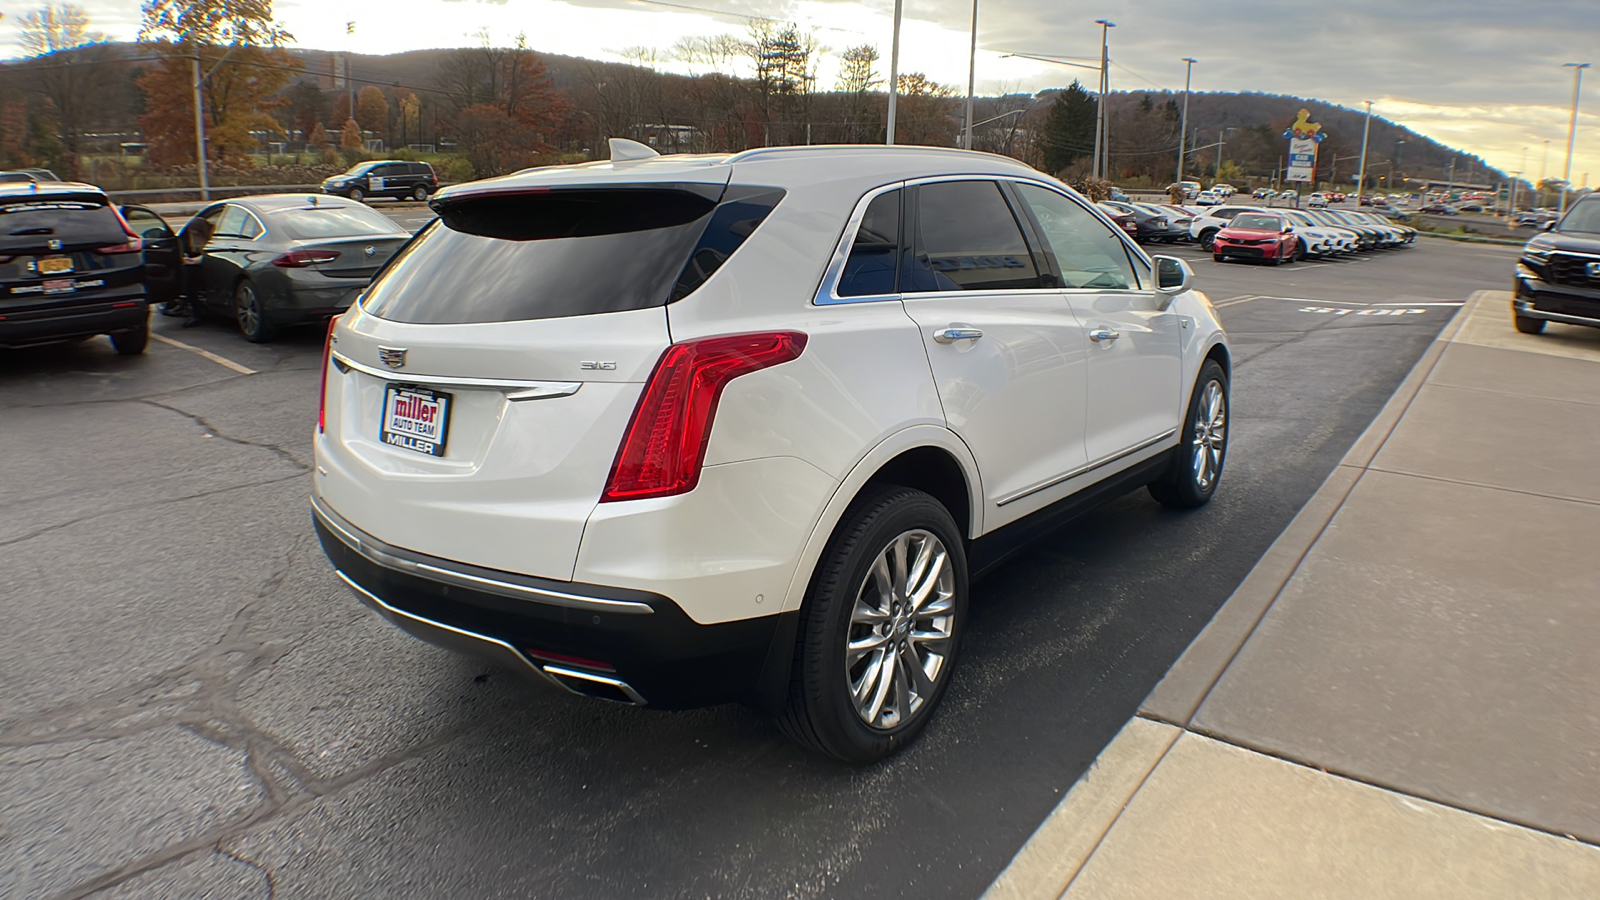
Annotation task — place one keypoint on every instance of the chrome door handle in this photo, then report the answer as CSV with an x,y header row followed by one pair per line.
x,y
1103,334
957,332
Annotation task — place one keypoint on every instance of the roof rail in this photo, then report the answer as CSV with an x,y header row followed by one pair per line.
x,y
867,148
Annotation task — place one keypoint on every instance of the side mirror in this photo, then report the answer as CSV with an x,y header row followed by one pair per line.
x,y
1548,226
1173,275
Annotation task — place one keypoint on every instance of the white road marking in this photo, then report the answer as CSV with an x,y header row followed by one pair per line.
x,y
1426,303
219,360
1232,301
1371,311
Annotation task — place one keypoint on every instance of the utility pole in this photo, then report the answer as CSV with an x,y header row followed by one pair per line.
x,y
894,72
200,128
972,71
1452,185
1100,121
1361,179
1183,127
1572,131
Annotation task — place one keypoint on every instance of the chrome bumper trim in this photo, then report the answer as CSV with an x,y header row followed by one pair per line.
x,y
380,554
505,650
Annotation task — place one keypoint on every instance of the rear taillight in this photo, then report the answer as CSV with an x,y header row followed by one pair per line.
x,y
133,245
299,259
665,443
322,396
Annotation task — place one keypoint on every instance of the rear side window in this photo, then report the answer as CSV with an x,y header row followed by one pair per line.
x,y
870,268
551,253
968,239
33,223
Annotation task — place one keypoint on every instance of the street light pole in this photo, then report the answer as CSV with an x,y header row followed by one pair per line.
x,y
972,71
894,72
200,128
1572,130
1100,120
1361,179
1183,128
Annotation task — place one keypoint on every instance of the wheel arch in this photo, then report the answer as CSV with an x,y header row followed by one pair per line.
x,y
926,457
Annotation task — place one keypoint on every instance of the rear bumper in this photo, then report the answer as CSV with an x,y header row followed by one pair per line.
x,y
39,326
620,644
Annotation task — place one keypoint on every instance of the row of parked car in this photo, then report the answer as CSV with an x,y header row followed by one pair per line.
x,y
1316,232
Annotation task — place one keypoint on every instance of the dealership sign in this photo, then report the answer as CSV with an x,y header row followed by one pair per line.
x,y
1303,136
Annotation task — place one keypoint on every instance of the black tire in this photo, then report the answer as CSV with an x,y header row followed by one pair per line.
x,y
250,314
133,342
1529,325
1218,257
356,194
419,193
1206,237
820,712
1181,486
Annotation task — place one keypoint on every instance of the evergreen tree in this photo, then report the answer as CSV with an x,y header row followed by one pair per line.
x,y
1068,131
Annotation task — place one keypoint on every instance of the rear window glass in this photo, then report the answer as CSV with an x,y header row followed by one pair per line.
x,y
566,252
33,223
315,223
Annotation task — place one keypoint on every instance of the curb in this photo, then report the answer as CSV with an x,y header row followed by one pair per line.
x,y
1061,846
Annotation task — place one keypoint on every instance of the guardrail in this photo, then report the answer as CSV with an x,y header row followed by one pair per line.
x,y
219,191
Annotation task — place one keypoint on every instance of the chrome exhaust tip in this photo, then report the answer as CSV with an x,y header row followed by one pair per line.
x,y
590,684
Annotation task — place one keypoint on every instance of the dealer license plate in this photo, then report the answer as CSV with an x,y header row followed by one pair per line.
x,y
55,265
415,419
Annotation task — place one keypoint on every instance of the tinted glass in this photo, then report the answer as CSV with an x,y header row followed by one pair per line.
x,y
968,239
316,222
232,222
1258,222
1088,253
250,227
1583,218
539,255
741,210
870,268
145,223
33,223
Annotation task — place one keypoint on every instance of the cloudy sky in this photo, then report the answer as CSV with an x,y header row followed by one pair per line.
x,y
1481,75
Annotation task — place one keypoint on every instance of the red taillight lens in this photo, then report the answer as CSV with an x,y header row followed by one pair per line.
x,y
133,245
322,396
666,440
299,259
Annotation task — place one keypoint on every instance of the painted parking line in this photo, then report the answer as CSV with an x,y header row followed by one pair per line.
x,y
1426,303
1234,301
219,360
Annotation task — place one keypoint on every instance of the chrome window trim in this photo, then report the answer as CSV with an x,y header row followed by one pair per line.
x,y
369,549
519,389
827,292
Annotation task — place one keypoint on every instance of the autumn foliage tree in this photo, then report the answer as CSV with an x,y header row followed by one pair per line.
x,y
518,108
237,42
372,109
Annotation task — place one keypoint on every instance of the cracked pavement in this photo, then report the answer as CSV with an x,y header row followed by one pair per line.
x,y
192,705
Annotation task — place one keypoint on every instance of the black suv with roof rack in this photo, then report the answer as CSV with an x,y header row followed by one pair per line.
x,y
1558,276
384,178
72,267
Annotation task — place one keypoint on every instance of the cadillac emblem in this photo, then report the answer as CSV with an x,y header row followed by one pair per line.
x,y
53,243
393,357
1592,270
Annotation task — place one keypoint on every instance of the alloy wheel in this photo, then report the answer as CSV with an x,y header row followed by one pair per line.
x,y
248,310
901,630
1210,435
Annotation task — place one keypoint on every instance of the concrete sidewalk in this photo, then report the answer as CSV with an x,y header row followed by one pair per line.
x,y
1403,697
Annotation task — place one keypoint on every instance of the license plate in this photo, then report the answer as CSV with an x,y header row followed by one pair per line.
x,y
415,419
55,265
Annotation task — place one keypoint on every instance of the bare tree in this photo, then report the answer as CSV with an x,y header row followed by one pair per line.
x,y
74,72
858,80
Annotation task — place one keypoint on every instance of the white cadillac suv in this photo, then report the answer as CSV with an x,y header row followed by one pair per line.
x,y
682,430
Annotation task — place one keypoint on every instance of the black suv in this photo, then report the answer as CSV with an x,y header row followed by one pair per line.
x,y
384,178
1558,276
71,266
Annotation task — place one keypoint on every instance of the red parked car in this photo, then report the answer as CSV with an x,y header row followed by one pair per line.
x,y
1124,220
1256,236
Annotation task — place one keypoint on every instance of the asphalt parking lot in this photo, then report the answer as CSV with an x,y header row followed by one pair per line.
x,y
192,703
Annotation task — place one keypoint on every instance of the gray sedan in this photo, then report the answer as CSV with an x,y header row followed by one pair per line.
x,y
287,259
